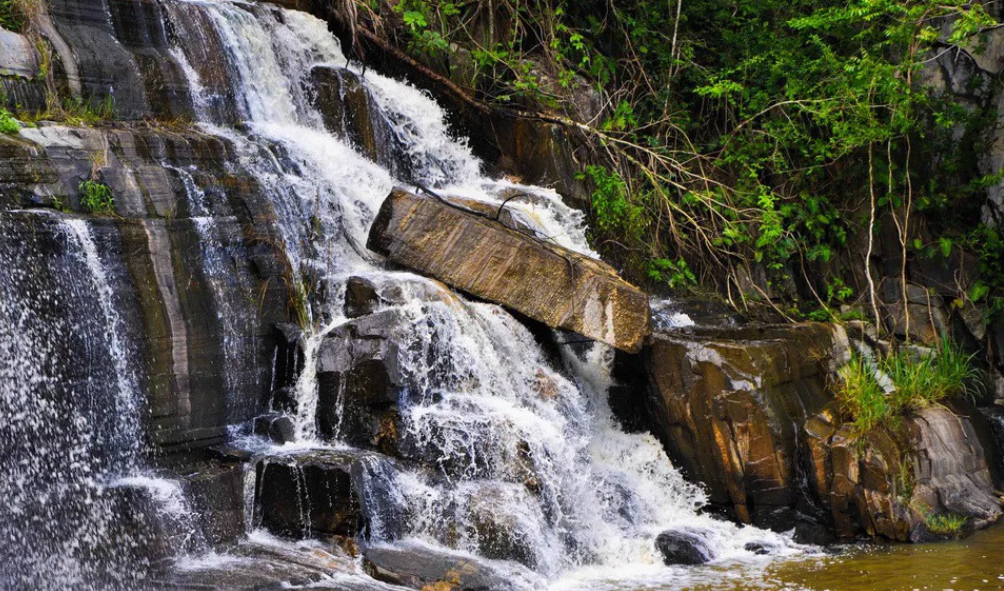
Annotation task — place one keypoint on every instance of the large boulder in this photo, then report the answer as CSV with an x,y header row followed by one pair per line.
x,y
728,404
481,256
307,494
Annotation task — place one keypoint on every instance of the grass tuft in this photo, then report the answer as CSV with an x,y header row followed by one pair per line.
x,y
945,524
919,382
97,198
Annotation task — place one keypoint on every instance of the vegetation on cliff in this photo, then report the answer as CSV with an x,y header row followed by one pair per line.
x,y
742,140
875,392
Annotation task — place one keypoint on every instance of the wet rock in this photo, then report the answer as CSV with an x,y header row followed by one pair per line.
x,y
288,363
259,566
421,567
216,492
348,110
308,494
361,297
276,426
547,283
682,547
360,381
728,404
498,533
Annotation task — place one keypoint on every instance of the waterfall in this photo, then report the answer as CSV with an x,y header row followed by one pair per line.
x,y
73,425
510,452
481,398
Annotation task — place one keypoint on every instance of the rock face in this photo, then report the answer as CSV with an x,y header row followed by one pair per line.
x,y
478,255
308,494
893,484
728,404
748,412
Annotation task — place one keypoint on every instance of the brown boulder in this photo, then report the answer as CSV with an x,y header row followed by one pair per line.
x,y
728,403
476,254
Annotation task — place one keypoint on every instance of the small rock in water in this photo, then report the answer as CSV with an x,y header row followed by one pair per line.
x,y
361,297
277,427
682,547
757,548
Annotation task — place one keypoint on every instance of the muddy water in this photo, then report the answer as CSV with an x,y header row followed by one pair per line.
x,y
974,564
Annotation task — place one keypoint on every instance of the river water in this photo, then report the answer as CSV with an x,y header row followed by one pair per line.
x,y
973,564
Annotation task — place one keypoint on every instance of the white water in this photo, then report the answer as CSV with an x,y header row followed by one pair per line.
x,y
72,422
482,399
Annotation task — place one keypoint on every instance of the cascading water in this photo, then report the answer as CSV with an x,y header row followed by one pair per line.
x,y
67,374
512,455
481,398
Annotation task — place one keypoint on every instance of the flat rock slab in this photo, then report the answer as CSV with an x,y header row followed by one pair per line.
x,y
478,255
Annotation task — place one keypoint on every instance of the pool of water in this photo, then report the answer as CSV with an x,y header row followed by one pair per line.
x,y
973,564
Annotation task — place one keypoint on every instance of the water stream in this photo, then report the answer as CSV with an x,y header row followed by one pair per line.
x,y
474,371
527,448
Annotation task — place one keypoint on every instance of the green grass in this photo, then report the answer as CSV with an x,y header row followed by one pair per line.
x,y
97,198
8,124
860,396
919,382
946,524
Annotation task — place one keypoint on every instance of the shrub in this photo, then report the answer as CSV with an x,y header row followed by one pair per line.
x,y
8,124
97,198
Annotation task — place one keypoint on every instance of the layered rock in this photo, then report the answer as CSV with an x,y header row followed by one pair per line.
x,y
185,311
478,255
729,404
896,482
749,413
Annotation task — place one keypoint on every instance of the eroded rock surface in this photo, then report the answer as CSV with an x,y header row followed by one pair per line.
x,y
480,256
750,413
728,404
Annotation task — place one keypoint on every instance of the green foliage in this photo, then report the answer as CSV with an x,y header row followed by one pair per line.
x,y
919,382
8,124
945,524
97,198
676,273
860,396
613,209
738,133
11,16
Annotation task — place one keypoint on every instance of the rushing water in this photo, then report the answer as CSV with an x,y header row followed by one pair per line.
x,y
526,449
474,373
